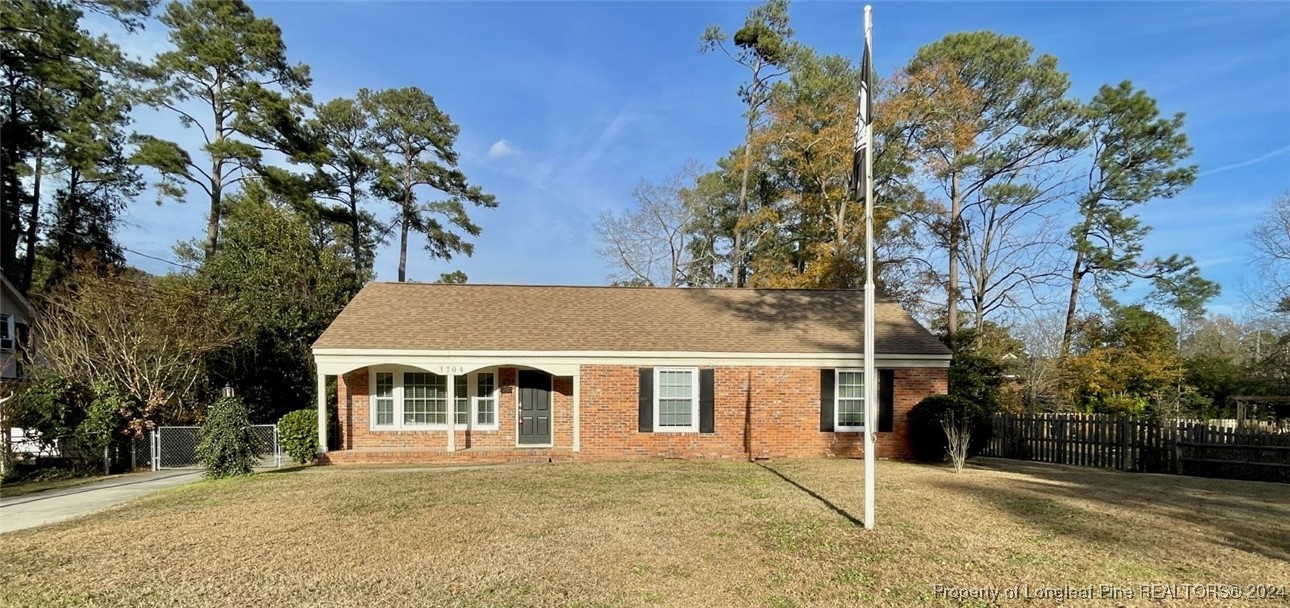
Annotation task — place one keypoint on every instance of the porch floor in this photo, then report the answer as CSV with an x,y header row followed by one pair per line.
x,y
463,455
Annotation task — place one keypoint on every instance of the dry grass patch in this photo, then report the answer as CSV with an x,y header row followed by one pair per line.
x,y
650,533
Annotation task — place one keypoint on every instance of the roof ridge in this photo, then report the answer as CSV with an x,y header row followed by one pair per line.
x,y
623,287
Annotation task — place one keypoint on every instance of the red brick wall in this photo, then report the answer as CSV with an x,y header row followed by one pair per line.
x,y
765,412
768,412
355,416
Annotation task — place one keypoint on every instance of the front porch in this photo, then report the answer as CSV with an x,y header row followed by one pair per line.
x,y
424,410
476,455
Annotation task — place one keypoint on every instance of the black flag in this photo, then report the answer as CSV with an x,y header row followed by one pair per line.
x,y
864,114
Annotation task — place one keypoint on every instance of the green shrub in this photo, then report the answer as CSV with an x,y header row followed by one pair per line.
x,y
927,435
228,445
298,433
82,419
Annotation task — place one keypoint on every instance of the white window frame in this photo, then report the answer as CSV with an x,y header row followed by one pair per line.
x,y
837,398
401,402
694,401
396,393
472,399
475,397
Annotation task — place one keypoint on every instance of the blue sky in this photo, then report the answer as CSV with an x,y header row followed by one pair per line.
x,y
589,98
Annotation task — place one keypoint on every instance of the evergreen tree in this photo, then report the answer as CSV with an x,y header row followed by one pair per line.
x,y
233,66
411,141
1136,158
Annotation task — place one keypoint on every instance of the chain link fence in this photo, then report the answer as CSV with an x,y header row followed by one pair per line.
x,y
175,447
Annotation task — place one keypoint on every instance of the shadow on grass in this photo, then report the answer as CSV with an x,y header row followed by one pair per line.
x,y
286,469
813,494
1248,516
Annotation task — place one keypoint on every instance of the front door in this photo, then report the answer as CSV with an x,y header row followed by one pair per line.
x,y
535,407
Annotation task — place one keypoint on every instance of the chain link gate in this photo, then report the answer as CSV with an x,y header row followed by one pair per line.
x,y
175,447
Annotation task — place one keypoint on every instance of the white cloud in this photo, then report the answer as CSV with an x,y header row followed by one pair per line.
x,y
502,149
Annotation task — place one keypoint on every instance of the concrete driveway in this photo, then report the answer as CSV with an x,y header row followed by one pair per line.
x,y
31,510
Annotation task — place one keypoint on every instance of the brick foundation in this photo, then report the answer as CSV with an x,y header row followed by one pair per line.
x,y
760,412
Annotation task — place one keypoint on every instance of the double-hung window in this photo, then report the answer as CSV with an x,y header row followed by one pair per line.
x,y
419,400
485,401
848,400
461,398
676,399
383,398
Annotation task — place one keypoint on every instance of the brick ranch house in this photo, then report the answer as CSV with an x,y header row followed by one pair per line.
x,y
431,372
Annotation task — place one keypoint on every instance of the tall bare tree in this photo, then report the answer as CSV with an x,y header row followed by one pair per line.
x,y
652,242
1271,240
147,337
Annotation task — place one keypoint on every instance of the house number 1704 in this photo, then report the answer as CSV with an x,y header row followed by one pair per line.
x,y
451,369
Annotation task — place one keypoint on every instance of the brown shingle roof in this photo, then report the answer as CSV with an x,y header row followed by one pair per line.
x,y
542,318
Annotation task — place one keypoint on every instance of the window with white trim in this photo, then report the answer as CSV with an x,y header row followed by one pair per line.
x,y
418,400
485,400
676,399
425,398
848,400
461,398
383,396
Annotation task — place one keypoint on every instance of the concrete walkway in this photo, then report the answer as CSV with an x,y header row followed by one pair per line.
x,y
40,508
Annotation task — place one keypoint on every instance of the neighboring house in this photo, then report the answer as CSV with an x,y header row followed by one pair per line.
x,y
556,373
16,317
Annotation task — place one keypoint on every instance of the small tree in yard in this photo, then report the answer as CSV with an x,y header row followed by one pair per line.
x,y
228,445
958,435
927,427
298,432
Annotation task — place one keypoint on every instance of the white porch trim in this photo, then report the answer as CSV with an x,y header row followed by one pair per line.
x,y
322,413
577,413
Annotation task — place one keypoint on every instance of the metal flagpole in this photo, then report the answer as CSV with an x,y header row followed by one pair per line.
x,y
870,376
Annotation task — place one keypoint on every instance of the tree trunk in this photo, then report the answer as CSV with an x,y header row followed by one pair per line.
x,y
981,277
11,195
33,223
212,223
1069,329
403,236
357,229
737,250
952,288
217,169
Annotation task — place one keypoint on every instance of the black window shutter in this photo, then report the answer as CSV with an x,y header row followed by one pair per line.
x,y
646,422
826,400
707,401
886,399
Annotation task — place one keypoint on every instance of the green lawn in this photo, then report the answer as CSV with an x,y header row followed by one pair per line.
x,y
653,533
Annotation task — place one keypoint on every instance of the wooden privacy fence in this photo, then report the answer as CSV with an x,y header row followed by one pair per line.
x,y
1143,445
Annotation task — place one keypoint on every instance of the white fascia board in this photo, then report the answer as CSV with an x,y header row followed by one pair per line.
x,y
342,360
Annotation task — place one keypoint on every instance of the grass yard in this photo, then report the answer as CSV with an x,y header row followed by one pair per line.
x,y
654,533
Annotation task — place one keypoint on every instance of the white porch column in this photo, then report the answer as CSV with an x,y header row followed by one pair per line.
x,y
577,412
452,412
322,413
